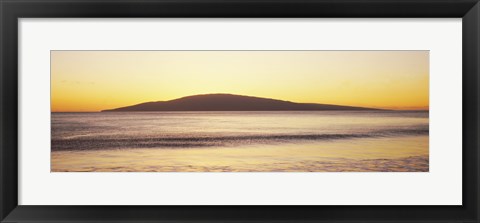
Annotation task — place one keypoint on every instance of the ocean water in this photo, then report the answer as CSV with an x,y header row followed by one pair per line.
x,y
300,141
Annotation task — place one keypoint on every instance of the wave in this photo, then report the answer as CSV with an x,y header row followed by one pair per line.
x,y
123,142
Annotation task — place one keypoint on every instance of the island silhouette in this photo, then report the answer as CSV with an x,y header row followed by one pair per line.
x,y
230,102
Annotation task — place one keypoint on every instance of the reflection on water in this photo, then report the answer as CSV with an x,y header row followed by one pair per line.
x,y
240,141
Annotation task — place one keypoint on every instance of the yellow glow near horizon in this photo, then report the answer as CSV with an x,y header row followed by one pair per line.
x,y
97,80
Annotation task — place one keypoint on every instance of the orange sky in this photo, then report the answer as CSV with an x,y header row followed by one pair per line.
x,y
97,80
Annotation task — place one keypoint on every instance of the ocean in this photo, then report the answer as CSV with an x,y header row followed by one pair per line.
x,y
280,141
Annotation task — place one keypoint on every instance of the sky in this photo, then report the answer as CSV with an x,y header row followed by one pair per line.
x,y
88,81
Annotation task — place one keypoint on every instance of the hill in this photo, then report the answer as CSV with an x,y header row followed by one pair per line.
x,y
230,102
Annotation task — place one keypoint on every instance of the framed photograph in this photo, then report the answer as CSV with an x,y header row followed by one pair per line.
x,y
228,111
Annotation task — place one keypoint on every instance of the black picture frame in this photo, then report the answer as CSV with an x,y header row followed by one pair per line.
x,y
12,10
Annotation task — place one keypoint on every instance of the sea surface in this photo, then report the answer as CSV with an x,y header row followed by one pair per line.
x,y
299,141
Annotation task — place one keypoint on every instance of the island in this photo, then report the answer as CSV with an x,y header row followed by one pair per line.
x,y
230,102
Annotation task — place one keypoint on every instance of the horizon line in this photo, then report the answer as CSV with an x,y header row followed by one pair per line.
x,y
420,108
379,110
